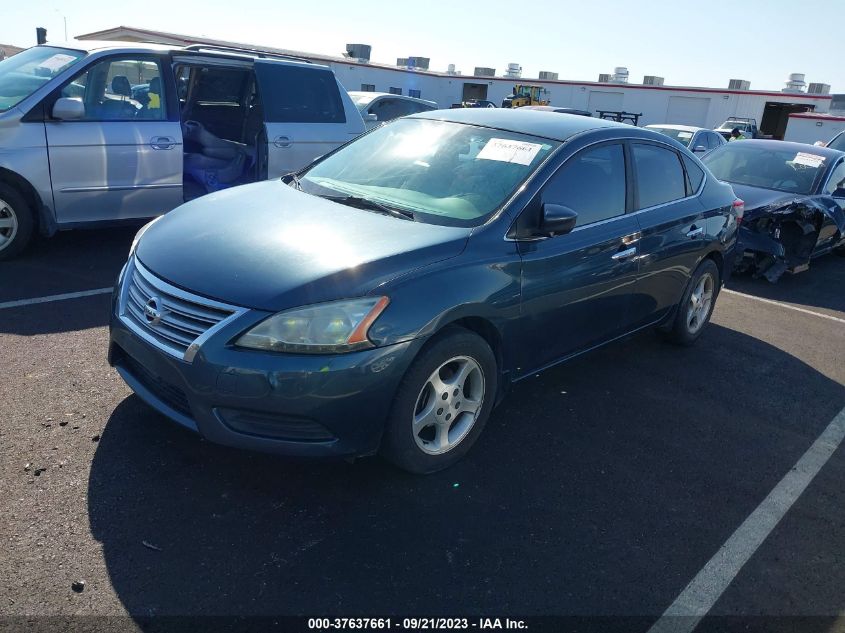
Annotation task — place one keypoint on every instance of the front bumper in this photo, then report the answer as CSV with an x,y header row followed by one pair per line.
x,y
304,405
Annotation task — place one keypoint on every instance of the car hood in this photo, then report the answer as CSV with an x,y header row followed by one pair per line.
x,y
270,247
758,200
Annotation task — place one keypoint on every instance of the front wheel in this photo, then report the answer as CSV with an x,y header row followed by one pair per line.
x,y
697,305
17,224
442,404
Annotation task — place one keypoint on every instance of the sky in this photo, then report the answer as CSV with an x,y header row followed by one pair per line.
x,y
688,43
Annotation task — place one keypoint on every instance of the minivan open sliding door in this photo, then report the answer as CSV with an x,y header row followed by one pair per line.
x,y
305,113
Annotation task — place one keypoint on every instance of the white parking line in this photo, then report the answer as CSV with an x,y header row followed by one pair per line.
x,y
784,305
62,297
704,590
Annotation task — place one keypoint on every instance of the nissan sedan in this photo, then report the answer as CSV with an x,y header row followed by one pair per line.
x,y
383,299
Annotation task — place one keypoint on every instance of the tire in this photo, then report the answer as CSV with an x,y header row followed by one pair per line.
x,y
445,433
686,327
17,223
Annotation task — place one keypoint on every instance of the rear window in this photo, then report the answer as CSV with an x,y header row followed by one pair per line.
x,y
294,94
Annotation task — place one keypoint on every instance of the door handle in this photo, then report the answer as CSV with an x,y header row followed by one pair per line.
x,y
623,255
162,142
282,141
695,232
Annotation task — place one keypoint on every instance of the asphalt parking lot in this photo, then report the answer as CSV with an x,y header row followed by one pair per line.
x,y
599,488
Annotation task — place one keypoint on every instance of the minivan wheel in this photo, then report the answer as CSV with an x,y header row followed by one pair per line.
x,y
697,305
442,404
16,222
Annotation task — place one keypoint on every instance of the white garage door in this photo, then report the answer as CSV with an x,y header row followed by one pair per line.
x,y
611,101
688,110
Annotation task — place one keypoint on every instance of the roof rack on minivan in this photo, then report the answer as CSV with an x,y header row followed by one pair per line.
x,y
244,50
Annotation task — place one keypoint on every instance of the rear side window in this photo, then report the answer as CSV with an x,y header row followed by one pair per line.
x,y
694,173
294,94
591,183
660,178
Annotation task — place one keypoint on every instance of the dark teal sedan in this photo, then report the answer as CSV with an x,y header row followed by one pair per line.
x,y
383,299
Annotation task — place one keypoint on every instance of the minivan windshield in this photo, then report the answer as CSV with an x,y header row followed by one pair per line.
x,y
744,163
444,173
26,72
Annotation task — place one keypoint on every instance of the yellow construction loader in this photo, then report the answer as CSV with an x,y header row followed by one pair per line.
x,y
523,95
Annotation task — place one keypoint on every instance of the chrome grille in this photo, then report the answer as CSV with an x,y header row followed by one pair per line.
x,y
166,316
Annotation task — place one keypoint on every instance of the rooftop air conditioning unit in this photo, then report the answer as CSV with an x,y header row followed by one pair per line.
x,y
483,71
548,75
604,78
514,71
739,84
651,80
358,52
620,75
818,89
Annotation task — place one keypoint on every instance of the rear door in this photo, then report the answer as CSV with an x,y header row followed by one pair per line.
x,y
307,113
123,158
673,224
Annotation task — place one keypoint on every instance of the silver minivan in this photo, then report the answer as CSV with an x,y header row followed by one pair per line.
x,y
96,132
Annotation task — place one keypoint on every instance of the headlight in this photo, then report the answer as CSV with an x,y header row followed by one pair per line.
x,y
140,232
327,328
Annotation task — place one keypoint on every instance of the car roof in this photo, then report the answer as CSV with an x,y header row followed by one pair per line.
x,y
89,46
791,147
559,127
672,126
374,95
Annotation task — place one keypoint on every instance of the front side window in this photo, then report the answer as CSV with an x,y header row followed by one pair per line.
x,y
26,72
389,109
122,89
443,172
836,182
838,142
660,177
768,167
592,183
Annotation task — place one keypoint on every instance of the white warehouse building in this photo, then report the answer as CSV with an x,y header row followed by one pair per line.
x,y
656,103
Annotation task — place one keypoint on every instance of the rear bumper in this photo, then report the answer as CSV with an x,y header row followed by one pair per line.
x,y
303,405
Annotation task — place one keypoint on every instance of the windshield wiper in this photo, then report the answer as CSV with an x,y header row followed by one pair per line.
x,y
366,203
292,178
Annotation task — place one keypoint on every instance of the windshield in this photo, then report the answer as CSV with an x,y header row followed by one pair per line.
x,y
445,173
26,72
682,136
778,169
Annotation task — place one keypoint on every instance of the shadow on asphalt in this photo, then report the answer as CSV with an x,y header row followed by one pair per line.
x,y
599,487
70,261
819,287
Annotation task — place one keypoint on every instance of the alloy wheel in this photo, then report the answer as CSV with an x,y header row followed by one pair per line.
x,y
448,405
700,301
8,224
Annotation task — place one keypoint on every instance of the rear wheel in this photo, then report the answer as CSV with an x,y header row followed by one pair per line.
x,y
17,223
442,404
697,305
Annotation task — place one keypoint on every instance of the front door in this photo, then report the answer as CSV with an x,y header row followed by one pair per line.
x,y
576,288
123,158
305,114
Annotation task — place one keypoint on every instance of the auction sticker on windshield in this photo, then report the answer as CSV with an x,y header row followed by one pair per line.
x,y
684,134
508,151
808,160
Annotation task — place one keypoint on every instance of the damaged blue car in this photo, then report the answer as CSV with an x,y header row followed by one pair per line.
x,y
794,203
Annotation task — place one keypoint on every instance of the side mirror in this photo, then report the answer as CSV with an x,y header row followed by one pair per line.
x,y
839,194
699,148
557,219
69,109
371,116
